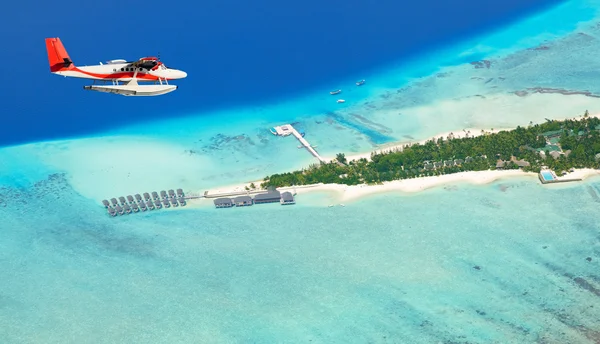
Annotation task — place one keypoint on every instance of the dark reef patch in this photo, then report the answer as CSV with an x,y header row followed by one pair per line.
x,y
481,64
532,90
71,222
374,135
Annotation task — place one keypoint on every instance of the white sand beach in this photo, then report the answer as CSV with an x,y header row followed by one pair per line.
x,y
347,193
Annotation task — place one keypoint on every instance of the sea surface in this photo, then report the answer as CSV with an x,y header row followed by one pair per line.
x,y
510,262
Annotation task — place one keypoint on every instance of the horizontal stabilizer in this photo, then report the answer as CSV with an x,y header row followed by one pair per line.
x,y
133,90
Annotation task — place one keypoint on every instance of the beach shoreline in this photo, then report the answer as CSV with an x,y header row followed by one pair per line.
x,y
412,185
350,193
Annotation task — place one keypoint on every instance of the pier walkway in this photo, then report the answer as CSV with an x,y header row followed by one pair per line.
x,y
286,129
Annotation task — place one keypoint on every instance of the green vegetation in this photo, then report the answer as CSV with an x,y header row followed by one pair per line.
x,y
560,145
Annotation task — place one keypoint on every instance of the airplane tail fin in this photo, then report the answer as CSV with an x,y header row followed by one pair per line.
x,y
57,55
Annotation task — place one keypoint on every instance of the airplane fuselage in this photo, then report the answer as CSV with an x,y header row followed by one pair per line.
x,y
122,72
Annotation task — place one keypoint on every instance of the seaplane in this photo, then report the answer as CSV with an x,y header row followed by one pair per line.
x,y
116,76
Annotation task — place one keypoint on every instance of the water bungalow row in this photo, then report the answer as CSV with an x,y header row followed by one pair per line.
x,y
275,196
137,203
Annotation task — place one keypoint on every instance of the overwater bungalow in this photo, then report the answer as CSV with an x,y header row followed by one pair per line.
x,y
150,205
127,208
242,201
181,201
143,206
166,203
223,203
287,198
106,203
157,204
180,193
154,195
171,193
114,201
122,200
111,211
174,202
163,194
129,198
135,207
269,197
146,196
119,209
138,198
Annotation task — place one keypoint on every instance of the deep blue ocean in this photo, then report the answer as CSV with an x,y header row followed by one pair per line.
x,y
235,52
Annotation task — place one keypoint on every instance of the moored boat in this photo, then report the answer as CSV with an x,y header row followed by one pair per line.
x,y
335,92
360,83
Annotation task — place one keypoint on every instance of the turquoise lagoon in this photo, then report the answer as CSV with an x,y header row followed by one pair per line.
x,y
511,262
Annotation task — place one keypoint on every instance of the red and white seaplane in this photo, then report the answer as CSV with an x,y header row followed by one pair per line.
x,y
115,72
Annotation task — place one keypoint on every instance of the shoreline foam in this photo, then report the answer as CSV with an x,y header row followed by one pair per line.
x,y
349,193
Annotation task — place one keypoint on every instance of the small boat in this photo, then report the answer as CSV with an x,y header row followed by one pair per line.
x,y
273,131
360,83
335,92
341,101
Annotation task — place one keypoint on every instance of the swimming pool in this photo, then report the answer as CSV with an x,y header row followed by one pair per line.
x,y
547,175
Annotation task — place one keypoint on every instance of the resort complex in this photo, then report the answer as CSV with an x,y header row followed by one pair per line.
x,y
550,146
552,149
274,196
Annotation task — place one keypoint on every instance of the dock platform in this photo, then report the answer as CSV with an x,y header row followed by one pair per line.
x,y
288,129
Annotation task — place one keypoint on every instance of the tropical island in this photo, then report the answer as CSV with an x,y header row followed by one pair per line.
x,y
556,145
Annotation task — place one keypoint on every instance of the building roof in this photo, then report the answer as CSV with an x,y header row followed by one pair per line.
x,y
268,195
223,201
287,196
242,199
522,163
552,133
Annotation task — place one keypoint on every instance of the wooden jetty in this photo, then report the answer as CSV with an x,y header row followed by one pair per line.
x,y
288,129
